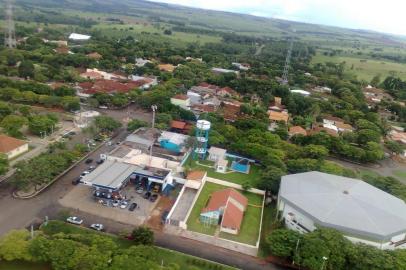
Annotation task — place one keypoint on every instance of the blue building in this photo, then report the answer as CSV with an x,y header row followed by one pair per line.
x,y
173,142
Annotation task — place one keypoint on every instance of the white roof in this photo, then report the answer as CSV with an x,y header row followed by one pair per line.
x,y
217,151
76,36
110,174
301,92
330,126
173,137
346,204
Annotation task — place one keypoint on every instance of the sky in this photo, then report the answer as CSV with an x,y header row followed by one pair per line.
x,y
380,15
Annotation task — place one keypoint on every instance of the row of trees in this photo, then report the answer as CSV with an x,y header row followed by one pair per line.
x,y
329,249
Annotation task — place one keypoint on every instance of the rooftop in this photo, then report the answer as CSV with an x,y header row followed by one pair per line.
x,y
278,116
346,204
196,175
297,130
220,198
110,174
8,143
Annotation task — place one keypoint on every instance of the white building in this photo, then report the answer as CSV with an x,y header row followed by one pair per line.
x,y
224,71
140,62
300,92
79,37
363,213
216,154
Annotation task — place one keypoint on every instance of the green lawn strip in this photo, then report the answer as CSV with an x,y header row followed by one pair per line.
x,y
253,177
400,173
268,224
250,227
21,265
166,256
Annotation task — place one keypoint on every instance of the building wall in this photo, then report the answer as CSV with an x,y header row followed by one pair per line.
x,y
308,223
180,102
228,230
17,151
211,218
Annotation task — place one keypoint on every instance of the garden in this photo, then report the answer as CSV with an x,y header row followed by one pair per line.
x,y
250,227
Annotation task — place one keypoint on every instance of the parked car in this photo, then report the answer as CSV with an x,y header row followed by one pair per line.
x,y
91,168
109,143
88,161
100,161
139,190
156,188
123,204
147,195
74,220
153,197
103,107
76,181
132,206
115,203
97,227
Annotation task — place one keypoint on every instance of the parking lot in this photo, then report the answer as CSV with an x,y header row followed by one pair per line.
x,y
81,198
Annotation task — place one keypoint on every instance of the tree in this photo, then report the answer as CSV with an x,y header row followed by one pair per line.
x,y
376,80
271,178
135,124
143,236
314,151
283,242
106,123
3,164
395,147
12,124
26,69
14,246
42,125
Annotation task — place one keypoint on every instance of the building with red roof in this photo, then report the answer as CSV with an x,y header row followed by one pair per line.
x,y
225,208
107,86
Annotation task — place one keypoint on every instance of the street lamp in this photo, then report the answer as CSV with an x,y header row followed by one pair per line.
x,y
154,108
323,263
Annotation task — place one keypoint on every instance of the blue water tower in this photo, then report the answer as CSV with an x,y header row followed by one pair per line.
x,y
202,138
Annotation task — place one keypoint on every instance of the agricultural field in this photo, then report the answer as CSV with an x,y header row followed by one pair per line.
x,y
364,68
251,223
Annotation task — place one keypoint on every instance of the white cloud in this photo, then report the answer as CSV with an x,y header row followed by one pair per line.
x,y
385,16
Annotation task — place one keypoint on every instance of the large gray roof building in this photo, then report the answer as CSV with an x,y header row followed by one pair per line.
x,y
351,206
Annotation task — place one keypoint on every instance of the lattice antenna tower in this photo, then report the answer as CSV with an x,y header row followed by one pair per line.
x,y
9,35
285,75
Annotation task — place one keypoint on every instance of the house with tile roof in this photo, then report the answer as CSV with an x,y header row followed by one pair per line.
x,y
12,147
275,116
297,130
225,208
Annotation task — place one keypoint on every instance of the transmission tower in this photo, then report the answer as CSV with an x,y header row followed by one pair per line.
x,y
285,76
9,35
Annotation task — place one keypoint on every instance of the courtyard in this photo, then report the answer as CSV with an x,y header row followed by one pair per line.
x,y
253,177
251,224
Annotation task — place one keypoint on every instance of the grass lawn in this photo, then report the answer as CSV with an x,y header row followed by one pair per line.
x,y
19,265
367,69
166,255
250,226
268,224
400,173
235,177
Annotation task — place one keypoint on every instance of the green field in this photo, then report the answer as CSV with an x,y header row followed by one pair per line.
x,y
166,256
235,177
251,223
365,69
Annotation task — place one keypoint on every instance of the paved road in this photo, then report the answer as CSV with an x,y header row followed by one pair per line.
x,y
17,213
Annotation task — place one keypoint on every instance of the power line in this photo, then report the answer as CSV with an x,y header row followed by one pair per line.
x,y
10,35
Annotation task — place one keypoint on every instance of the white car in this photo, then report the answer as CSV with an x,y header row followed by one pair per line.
x,y
97,227
123,205
74,220
139,190
115,203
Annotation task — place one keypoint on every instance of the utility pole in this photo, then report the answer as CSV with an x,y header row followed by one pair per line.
x,y
9,35
285,76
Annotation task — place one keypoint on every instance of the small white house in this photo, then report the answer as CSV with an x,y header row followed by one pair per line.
x,y
221,165
79,37
216,154
182,101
